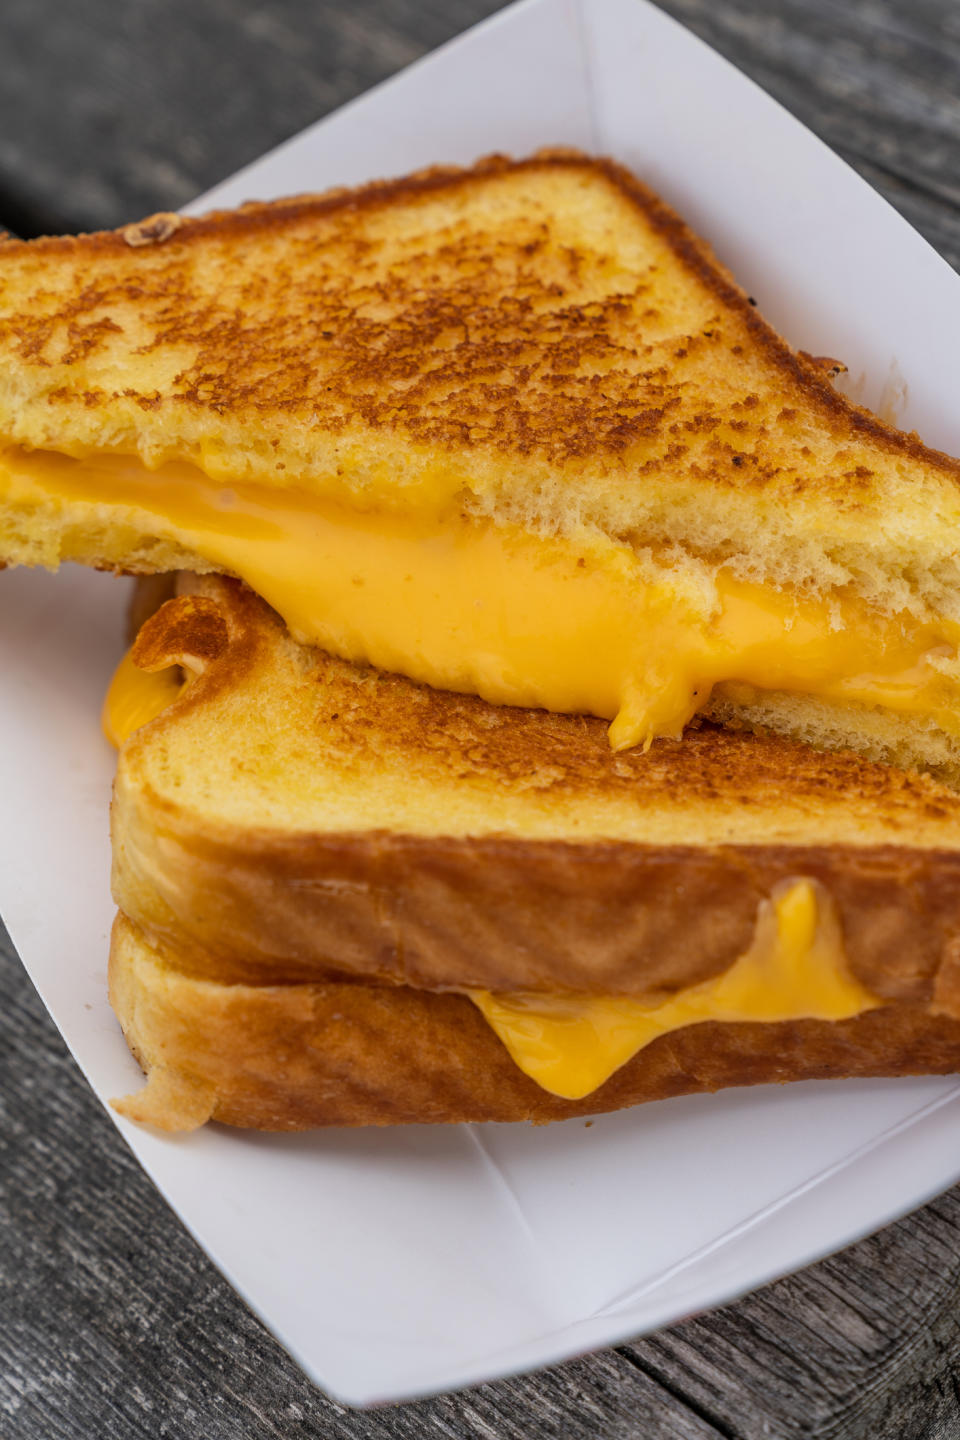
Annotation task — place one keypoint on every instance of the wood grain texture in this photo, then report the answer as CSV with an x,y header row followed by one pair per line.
x,y
112,1324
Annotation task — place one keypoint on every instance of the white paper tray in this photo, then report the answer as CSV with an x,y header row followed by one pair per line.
x,y
393,1264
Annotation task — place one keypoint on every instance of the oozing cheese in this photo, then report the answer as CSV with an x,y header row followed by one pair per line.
x,y
794,970
134,697
518,619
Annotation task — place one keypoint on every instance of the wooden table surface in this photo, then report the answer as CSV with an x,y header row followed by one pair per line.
x,y
112,1324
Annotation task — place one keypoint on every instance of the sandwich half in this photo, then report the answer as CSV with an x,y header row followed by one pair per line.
x,y
510,431
347,898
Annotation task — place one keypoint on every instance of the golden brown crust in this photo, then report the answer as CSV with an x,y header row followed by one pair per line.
x,y
504,903
295,1057
188,630
558,407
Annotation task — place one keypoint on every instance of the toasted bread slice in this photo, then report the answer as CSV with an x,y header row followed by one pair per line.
x,y
510,431
293,817
292,1057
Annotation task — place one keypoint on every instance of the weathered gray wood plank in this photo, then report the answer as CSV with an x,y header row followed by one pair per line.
x,y
112,1324
851,1346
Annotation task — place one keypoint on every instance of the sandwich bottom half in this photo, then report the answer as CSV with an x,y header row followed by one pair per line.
x,y
300,1056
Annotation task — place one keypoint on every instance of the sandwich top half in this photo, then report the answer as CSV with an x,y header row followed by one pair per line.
x,y
510,431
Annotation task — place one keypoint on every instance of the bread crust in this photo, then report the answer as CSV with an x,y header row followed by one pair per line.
x,y
297,1057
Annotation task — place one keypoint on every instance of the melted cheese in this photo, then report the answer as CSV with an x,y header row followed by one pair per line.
x,y
794,970
518,619
134,697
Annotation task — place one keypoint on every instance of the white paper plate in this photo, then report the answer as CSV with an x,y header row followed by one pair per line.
x,y
392,1264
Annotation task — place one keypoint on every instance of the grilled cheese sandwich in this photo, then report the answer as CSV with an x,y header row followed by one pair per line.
x,y
571,1044
508,431
321,862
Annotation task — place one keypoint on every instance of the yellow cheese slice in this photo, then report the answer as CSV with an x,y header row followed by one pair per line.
x,y
794,970
518,619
